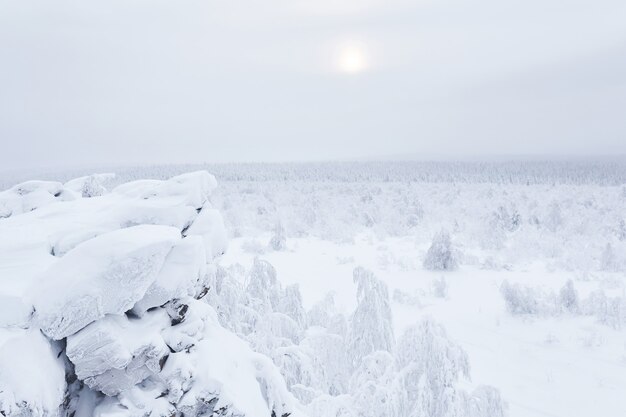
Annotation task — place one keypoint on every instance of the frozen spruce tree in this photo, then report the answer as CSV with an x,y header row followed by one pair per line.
x,y
278,240
441,255
371,326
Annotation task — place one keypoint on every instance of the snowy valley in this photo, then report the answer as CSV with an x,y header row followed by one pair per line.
x,y
330,290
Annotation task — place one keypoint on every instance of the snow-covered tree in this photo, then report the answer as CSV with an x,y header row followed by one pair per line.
x,y
325,314
376,390
290,304
554,219
608,261
430,365
92,187
262,285
278,240
371,327
568,297
441,255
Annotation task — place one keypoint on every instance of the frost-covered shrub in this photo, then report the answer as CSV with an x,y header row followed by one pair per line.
x,y
608,310
568,297
370,326
92,187
441,255
485,401
621,230
608,261
416,214
554,219
325,314
404,298
498,226
519,300
440,287
253,246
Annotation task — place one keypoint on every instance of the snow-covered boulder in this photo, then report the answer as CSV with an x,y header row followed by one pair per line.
x,y
248,383
31,195
191,189
210,226
104,275
113,354
184,270
14,312
32,376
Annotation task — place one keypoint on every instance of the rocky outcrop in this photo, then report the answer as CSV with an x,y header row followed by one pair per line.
x,y
105,311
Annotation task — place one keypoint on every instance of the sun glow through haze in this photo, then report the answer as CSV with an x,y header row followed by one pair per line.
x,y
352,58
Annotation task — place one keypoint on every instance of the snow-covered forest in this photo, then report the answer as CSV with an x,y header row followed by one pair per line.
x,y
323,290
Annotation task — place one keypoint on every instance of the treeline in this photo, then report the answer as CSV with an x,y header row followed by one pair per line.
x,y
607,171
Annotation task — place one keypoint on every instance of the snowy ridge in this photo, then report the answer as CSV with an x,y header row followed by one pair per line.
x,y
102,305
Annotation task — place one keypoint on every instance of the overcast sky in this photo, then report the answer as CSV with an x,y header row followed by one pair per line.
x,y
127,81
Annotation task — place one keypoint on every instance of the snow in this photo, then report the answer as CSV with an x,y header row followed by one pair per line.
x,y
184,268
102,310
210,227
190,189
334,298
32,377
31,195
536,362
104,275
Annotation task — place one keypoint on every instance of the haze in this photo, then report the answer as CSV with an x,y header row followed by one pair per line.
x,y
135,82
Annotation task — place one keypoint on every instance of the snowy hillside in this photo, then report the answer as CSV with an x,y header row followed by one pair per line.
x,y
322,290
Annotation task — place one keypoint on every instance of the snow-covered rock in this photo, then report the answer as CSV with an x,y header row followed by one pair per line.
x,y
14,312
32,376
103,305
113,354
210,226
183,271
31,195
104,275
191,189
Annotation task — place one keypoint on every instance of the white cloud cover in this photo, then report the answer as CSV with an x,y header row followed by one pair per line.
x,y
140,81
